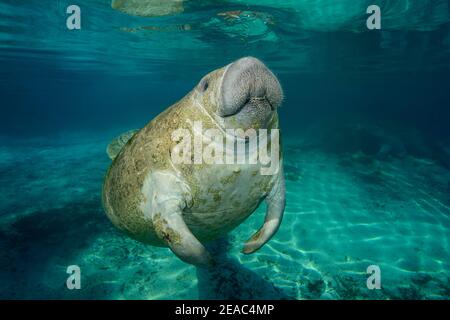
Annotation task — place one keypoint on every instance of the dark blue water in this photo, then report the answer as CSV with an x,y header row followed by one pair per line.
x,y
365,124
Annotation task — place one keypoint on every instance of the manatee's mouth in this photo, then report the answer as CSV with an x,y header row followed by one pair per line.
x,y
249,85
259,102
262,100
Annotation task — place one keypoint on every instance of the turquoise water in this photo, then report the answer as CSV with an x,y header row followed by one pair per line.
x,y
365,133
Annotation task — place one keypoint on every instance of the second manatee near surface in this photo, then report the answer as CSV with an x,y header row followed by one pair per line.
x,y
148,8
183,205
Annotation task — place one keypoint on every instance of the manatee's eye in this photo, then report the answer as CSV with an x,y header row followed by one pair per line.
x,y
203,85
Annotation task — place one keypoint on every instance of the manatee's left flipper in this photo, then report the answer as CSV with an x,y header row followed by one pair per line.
x,y
118,143
168,197
275,200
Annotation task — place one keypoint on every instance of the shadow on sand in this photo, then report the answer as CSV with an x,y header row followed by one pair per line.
x,y
230,280
37,247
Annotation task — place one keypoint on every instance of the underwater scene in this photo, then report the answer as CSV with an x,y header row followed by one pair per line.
x,y
360,90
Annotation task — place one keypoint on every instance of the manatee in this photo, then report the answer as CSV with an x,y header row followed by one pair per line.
x,y
117,144
148,8
182,205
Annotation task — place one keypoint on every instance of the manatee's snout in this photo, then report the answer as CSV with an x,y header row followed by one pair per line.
x,y
249,88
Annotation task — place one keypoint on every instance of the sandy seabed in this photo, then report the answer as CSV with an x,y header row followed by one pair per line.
x,y
344,212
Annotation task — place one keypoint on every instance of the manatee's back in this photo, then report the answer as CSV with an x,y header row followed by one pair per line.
x,y
147,150
122,191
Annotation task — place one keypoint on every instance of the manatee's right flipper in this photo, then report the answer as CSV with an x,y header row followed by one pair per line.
x,y
117,144
168,195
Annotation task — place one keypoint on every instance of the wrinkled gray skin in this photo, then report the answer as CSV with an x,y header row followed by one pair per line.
x,y
180,206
